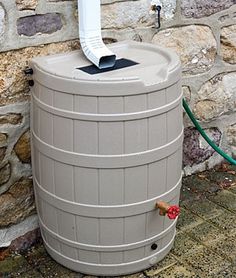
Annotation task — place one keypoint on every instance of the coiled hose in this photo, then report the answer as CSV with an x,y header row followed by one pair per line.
x,y
204,135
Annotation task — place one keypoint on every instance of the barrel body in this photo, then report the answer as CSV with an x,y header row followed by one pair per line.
x,y
100,164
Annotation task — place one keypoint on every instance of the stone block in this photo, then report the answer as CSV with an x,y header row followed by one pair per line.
x,y
231,134
26,4
195,44
224,179
225,247
187,220
233,189
127,14
206,233
5,173
202,8
216,97
25,242
13,83
195,148
225,199
4,253
184,245
2,20
228,272
206,261
233,149
22,147
3,139
17,203
40,23
186,93
11,118
228,44
201,185
13,266
204,208
187,194
9,234
2,153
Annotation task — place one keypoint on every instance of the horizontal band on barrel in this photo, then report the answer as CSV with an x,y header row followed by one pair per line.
x,y
107,117
114,248
97,211
108,269
107,161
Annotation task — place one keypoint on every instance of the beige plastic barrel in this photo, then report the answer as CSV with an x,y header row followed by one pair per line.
x,y
106,147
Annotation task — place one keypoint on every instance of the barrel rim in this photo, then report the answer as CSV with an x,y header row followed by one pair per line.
x,y
72,86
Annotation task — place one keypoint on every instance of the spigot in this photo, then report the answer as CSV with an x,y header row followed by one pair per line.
x,y
165,209
155,8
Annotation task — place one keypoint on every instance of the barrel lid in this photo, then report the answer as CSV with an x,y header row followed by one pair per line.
x,y
141,63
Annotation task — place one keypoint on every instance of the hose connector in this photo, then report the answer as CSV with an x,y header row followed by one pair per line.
x,y
28,71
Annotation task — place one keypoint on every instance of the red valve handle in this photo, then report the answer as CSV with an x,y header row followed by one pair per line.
x,y
173,212
165,209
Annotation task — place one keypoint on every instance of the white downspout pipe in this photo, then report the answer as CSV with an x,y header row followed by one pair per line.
x,y
90,34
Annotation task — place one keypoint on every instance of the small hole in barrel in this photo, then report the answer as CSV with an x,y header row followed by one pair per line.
x,y
154,246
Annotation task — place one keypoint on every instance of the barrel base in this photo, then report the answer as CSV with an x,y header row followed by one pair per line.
x,y
109,269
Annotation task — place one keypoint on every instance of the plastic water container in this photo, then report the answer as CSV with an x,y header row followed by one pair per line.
x,y
106,147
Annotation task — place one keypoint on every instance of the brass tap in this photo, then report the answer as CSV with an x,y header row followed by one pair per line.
x,y
172,211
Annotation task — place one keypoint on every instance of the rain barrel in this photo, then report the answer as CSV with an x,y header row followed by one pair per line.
x,y
106,147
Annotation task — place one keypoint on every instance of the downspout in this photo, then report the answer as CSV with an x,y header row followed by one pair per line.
x,y
90,34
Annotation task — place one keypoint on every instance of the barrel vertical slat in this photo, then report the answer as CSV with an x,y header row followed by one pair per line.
x,y
111,184
47,179
106,149
63,177
110,138
174,167
86,190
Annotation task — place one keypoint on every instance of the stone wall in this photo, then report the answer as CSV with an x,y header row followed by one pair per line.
x,y
202,32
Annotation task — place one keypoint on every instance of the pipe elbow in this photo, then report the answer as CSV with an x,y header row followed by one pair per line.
x,y
90,34
97,52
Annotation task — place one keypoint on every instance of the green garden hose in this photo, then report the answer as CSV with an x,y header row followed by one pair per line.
x,y
204,135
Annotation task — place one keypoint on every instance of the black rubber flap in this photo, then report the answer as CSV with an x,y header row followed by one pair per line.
x,y
120,64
